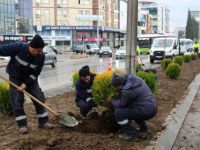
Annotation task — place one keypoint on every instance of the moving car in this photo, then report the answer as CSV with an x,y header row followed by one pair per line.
x,y
121,52
105,50
50,56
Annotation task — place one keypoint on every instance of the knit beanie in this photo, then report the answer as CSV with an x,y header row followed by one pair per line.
x,y
37,42
117,79
84,71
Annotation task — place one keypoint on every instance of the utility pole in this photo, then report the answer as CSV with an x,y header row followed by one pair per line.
x,y
98,8
132,23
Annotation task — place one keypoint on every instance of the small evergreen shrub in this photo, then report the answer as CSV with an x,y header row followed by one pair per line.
x,y
138,67
187,58
173,71
5,104
102,88
194,56
165,63
198,54
178,60
149,78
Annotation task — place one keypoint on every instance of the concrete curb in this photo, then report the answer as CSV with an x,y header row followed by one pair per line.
x,y
175,119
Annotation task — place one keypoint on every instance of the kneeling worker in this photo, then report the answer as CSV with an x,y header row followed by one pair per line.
x,y
137,103
84,91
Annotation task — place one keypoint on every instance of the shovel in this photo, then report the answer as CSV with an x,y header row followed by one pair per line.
x,y
65,119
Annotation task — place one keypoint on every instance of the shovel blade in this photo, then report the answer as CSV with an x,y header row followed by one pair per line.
x,y
68,120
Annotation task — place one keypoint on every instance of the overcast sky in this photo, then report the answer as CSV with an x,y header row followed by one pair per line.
x,y
179,8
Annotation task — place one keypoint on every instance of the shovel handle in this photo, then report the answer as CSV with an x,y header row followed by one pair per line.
x,y
32,97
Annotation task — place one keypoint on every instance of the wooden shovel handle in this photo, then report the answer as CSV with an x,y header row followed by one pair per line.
x,y
32,97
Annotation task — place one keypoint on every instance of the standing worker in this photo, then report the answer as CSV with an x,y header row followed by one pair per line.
x,y
24,67
136,102
196,47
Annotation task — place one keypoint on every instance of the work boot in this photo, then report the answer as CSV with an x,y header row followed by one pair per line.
x,y
125,136
143,127
46,126
23,130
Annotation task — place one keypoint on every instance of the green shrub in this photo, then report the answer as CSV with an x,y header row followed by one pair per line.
x,y
102,88
5,105
173,71
194,56
187,58
149,78
178,60
165,63
198,54
138,67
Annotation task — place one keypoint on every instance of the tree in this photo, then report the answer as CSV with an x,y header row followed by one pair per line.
x,y
192,27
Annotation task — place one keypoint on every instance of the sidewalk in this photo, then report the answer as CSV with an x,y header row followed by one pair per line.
x,y
189,135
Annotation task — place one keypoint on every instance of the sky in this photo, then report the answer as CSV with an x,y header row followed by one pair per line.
x,y
178,11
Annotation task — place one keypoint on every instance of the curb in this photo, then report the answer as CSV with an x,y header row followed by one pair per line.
x,y
175,119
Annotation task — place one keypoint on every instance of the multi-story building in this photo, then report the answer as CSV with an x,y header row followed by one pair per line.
x,y
15,20
7,17
64,22
24,16
160,15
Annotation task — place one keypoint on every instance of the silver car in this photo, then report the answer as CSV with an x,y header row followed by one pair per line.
x,y
121,52
50,56
105,50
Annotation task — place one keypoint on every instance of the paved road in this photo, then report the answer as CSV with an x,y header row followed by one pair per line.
x,y
189,135
59,79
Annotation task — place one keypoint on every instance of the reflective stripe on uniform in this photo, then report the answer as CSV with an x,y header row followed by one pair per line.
x,y
21,118
33,66
43,115
32,77
88,99
21,61
123,122
89,90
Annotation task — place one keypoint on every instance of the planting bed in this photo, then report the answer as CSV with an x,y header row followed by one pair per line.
x,y
94,133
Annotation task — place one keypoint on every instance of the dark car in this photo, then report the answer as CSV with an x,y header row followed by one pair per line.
x,y
50,56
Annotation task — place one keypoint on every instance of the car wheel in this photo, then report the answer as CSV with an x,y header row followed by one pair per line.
x,y
100,55
54,63
110,55
151,60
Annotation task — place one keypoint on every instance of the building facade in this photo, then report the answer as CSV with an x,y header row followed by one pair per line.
x,y
160,16
24,16
65,22
7,17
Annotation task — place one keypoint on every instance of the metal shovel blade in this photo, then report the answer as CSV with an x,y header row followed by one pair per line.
x,y
68,120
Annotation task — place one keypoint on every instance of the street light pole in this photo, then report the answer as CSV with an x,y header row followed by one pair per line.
x,y
98,23
132,23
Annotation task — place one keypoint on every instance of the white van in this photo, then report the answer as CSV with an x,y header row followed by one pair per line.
x,y
188,43
165,48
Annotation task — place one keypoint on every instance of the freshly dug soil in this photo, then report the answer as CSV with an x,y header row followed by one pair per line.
x,y
94,133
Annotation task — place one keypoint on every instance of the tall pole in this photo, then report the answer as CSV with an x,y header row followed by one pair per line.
x,y
132,23
98,24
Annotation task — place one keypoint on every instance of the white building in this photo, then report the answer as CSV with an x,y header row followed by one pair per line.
x,y
160,15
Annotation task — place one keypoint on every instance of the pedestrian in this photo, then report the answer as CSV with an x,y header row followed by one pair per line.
x,y
24,67
84,91
196,47
136,102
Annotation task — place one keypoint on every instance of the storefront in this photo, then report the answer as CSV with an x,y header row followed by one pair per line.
x,y
75,35
5,39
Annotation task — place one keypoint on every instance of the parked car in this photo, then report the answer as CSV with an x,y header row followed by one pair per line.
x,y
50,56
86,48
105,50
121,52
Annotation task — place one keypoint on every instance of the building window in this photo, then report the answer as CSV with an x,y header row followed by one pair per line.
x,y
65,1
37,1
46,1
65,13
59,2
46,12
81,12
58,12
87,12
84,2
